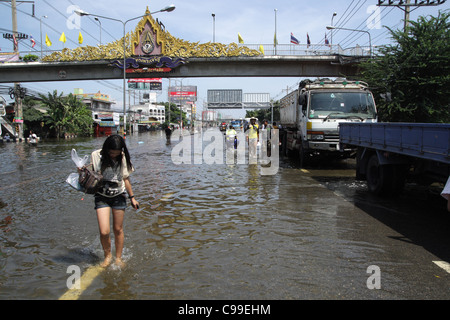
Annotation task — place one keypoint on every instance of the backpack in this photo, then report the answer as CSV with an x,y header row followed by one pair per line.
x,y
90,180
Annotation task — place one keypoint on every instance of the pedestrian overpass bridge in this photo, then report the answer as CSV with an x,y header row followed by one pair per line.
x,y
332,65
152,52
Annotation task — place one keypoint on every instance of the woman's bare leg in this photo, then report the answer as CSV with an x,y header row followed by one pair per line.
x,y
118,216
104,228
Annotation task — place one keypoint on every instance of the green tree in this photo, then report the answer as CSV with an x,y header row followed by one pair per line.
x,y
53,102
265,114
67,114
30,58
174,113
79,119
33,118
415,70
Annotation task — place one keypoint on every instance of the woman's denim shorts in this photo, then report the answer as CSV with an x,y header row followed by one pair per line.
x,y
118,202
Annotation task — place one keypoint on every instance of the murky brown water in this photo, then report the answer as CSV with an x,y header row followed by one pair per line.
x,y
202,232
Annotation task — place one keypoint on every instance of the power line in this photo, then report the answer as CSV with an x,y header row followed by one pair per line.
x,y
348,19
101,27
351,36
345,18
62,14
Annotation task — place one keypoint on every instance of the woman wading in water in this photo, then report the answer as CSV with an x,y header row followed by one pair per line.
x,y
113,161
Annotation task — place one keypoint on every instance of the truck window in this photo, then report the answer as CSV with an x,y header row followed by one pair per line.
x,y
341,105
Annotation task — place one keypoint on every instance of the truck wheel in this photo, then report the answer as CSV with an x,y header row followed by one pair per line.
x,y
379,177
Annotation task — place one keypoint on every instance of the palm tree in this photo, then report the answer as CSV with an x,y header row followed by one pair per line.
x,y
56,113
67,114
80,117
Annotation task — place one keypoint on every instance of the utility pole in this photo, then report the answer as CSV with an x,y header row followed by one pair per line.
x,y
407,12
18,118
407,6
18,93
168,99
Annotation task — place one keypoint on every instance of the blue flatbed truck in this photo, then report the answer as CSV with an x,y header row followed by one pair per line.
x,y
387,154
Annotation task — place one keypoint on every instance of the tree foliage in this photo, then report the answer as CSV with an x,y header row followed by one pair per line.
x,y
174,113
67,114
265,114
30,114
415,70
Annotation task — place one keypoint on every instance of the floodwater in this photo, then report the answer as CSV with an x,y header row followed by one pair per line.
x,y
202,231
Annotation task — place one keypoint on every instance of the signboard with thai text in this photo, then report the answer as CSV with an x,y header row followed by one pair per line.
x,y
182,94
145,84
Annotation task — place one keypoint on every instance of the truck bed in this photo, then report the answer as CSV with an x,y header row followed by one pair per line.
x,y
289,110
429,141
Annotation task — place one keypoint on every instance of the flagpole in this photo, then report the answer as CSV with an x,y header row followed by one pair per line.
x,y
275,39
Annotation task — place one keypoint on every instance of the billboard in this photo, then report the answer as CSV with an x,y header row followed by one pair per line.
x,y
182,94
145,84
257,100
225,98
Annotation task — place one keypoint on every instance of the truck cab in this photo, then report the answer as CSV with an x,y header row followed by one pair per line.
x,y
321,106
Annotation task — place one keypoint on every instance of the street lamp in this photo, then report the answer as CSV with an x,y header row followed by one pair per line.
x,y
370,38
181,104
100,23
40,31
332,18
84,13
214,27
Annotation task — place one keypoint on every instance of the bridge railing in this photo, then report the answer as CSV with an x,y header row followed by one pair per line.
x,y
309,50
282,50
7,125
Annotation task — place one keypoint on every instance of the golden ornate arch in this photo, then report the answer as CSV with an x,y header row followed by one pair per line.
x,y
170,46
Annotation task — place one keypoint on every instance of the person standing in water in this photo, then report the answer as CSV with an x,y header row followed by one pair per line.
x,y
113,162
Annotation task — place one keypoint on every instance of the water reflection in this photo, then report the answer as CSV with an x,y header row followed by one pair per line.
x,y
202,232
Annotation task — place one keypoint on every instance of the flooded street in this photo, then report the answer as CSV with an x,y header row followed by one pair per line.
x,y
217,231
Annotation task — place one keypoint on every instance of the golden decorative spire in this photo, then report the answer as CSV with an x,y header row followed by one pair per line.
x,y
165,43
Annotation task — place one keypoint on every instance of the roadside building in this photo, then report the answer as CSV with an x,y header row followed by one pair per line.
x,y
147,116
106,119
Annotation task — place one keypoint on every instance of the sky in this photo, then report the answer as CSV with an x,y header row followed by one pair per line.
x,y
255,20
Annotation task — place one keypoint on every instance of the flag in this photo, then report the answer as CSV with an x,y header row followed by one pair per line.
x,y
16,44
308,41
240,38
62,38
275,41
294,39
80,38
32,41
261,49
47,41
326,40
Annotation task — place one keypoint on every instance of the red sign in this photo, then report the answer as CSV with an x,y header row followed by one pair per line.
x,y
147,70
146,80
183,94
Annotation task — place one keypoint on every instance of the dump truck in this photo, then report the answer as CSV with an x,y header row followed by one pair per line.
x,y
388,154
310,117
